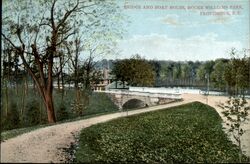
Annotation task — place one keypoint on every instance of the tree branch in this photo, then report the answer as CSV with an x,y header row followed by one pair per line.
x,y
67,14
7,39
65,38
52,14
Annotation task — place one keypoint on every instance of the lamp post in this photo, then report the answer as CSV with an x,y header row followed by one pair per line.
x,y
207,77
208,83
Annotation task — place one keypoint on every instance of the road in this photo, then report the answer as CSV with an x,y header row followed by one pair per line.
x,y
46,145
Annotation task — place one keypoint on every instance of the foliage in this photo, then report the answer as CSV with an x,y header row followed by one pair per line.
x,y
217,76
34,113
39,31
156,68
79,104
223,73
11,65
62,112
205,69
188,74
99,103
12,119
135,71
237,74
105,106
190,133
236,112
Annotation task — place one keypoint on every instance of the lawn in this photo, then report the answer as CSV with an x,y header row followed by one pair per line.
x,y
189,133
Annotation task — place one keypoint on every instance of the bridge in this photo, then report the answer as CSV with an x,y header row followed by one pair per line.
x,y
141,95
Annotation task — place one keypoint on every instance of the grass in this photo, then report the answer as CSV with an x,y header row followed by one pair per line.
x,y
190,133
99,104
15,132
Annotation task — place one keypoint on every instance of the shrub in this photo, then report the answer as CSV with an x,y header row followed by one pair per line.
x,y
62,112
99,103
236,112
32,113
12,119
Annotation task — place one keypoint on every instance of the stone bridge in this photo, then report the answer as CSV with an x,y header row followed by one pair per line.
x,y
122,97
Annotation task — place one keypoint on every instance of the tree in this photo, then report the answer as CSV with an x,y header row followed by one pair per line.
x,y
237,77
217,76
236,112
36,29
73,50
135,71
186,73
166,73
237,74
59,66
83,49
156,67
177,71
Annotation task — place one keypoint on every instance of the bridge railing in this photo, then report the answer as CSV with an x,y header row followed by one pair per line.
x,y
146,94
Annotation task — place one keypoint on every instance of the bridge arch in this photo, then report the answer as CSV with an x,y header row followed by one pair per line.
x,y
134,103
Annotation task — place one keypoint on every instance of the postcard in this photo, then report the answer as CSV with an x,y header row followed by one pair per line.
x,y
120,81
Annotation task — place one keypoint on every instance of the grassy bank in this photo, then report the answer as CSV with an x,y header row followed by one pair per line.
x,y
31,115
188,133
15,132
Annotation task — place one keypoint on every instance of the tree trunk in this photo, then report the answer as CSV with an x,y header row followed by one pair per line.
x,y
87,81
49,91
62,80
76,79
58,82
23,98
61,59
50,107
6,98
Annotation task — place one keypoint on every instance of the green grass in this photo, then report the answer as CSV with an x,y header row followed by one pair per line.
x,y
15,132
190,133
99,104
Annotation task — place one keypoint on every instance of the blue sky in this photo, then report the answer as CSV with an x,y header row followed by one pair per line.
x,y
185,34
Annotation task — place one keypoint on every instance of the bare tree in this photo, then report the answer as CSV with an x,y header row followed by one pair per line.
x,y
36,29
73,50
59,67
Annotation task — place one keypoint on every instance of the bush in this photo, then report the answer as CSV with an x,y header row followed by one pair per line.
x,y
12,120
99,103
236,111
62,112
32,114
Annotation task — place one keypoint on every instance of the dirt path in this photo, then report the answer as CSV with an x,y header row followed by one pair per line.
x,y
45,145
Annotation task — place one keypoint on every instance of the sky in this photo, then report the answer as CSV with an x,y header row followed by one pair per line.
x,y
183,30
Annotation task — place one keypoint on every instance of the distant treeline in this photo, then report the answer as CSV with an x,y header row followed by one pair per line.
x,y
220,74
228,75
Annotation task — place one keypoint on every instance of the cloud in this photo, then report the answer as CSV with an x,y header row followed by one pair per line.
x,y
162,47
222,18
171,20
195,19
